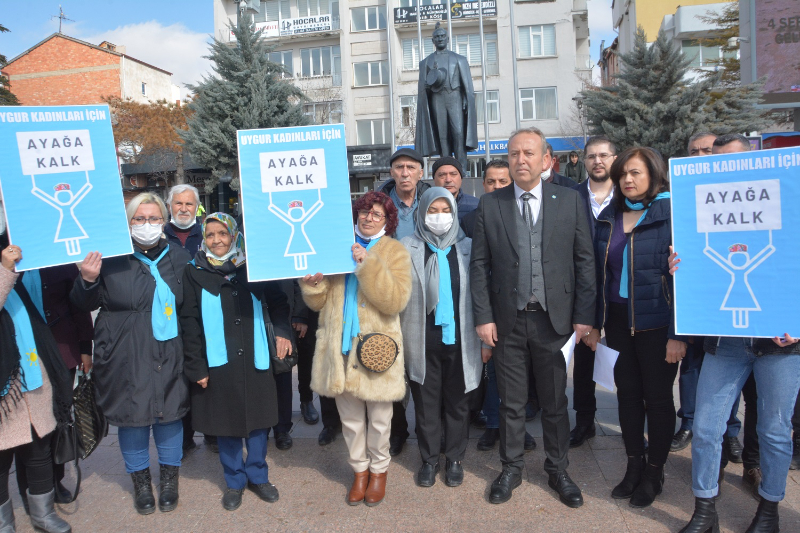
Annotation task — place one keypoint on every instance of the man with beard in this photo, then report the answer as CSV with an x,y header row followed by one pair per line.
x,y
183,229
596,194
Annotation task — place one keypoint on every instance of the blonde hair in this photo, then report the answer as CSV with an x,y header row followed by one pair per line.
x,y
145,198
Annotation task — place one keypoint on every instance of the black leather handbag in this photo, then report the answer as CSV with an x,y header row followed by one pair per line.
x,y
279,366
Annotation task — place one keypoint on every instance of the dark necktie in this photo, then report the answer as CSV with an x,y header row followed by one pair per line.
x,y
527,214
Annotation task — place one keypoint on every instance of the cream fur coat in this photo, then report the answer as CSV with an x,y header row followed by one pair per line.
x,y
384,287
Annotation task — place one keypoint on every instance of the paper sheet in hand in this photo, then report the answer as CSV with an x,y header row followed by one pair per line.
x,y
569,349
604,360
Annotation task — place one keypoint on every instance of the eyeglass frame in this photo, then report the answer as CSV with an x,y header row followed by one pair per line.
x,y
375,217
141,221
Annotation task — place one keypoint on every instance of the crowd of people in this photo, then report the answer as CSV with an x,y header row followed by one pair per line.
x,y
474,300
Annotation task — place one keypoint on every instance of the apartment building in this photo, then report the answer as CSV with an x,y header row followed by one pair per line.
x,y
358,62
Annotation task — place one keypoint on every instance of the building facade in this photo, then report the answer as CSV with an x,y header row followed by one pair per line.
x,y
358,62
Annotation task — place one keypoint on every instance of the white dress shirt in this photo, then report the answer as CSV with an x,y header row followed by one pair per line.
x,y
535,202
598,208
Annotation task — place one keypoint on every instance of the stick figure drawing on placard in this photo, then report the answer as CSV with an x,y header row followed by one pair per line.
x,y
69,230
739,299
296,215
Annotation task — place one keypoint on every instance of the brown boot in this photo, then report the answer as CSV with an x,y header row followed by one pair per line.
x,y
359,487
376,489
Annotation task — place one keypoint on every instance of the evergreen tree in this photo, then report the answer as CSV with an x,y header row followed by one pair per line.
x,y
726,20
246,92
653,105
6,96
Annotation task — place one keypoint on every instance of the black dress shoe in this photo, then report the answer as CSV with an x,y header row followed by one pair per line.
x,y
488,439
732,447
478,419
211,442
426,477
681,440
568,492
503,486
453,474
63,495
530,442
327,435
189,445
581,434
531,411
265,491
396,445
232,499
283,441
309,412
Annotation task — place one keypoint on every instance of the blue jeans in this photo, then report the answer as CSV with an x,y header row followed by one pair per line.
x,y
491,402
687,384
134,442
721,379
237,471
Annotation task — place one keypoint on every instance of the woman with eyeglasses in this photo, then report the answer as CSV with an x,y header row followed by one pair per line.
x,y
367,301
138,351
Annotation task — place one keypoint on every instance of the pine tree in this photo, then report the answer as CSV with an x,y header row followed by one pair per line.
x,y
247,92
653,105
6,96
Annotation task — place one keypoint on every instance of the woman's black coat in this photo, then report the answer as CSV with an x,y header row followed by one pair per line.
x,y
238,398
138,379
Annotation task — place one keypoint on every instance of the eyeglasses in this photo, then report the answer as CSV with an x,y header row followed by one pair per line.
x,y
372,214
138,221
595,157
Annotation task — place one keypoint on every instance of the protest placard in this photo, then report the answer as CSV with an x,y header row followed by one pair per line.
x,y
734,225
60,184
296,206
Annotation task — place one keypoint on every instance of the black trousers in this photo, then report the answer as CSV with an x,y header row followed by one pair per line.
x,y
283,386
644,382
36,458
584,401
305,357
399,427
533,344
441,404
329,412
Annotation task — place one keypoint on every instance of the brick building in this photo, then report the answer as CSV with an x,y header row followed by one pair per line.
x,y
62,70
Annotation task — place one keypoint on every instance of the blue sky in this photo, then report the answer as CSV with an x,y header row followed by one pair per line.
x,y
172,35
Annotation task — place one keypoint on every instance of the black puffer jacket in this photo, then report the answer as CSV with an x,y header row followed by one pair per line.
x,y
650,284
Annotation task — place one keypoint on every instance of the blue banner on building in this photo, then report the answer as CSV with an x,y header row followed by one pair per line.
x,y
735,219
296,206
61,186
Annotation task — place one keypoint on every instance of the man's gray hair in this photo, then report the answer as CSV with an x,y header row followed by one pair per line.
x,y
180,189
529,131
700,135
728,138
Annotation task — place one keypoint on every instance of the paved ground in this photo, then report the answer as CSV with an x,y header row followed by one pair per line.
x,y
313,482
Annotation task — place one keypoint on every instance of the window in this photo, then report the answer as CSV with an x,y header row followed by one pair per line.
x,y
273,11
144,89
374,131
493,99
411,57
283,58
413,3
371,73
324,112
704,56
368,18
408,111
324,61
538,104
469,46
312,8
537,41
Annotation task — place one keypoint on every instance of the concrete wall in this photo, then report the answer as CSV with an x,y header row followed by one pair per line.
x,y
133,73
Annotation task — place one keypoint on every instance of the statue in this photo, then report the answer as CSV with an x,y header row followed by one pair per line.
x,y
446,119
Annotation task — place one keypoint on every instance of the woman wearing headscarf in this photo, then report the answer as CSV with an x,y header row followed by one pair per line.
x,y
224,320
35,395
443,352
368,301
138,352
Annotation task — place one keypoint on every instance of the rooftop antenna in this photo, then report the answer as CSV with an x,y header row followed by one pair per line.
x,y
61,18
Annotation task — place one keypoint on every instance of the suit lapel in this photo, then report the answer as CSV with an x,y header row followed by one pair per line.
x,y
418,259
550,205
507,204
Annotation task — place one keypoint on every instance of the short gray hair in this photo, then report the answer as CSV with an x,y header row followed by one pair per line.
x,y
700,135
530,131
180,189
145,198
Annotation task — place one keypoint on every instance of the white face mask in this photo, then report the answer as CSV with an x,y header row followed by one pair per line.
x,y
439,223
147,234
183,225
546,174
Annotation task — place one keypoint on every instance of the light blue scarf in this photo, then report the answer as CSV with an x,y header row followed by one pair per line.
x,y
30,371
350,326
164,317
216,349
445,315
33,284
638,206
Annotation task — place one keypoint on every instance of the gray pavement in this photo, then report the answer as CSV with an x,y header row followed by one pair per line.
x,y
313,482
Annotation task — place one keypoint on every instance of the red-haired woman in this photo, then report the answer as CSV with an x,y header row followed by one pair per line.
x,y
367,301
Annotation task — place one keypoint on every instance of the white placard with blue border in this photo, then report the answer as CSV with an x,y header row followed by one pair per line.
x,y
735,221
296,206
61,185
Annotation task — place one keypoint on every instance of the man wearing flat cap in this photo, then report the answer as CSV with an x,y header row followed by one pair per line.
x,y
448,173
446,119
404,188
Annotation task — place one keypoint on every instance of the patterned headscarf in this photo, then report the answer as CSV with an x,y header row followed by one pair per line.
x,y
236,252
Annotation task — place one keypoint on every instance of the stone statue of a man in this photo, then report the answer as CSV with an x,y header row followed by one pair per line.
x,y
446,119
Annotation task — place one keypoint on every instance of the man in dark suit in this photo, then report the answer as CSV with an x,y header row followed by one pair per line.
x,y
533,284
